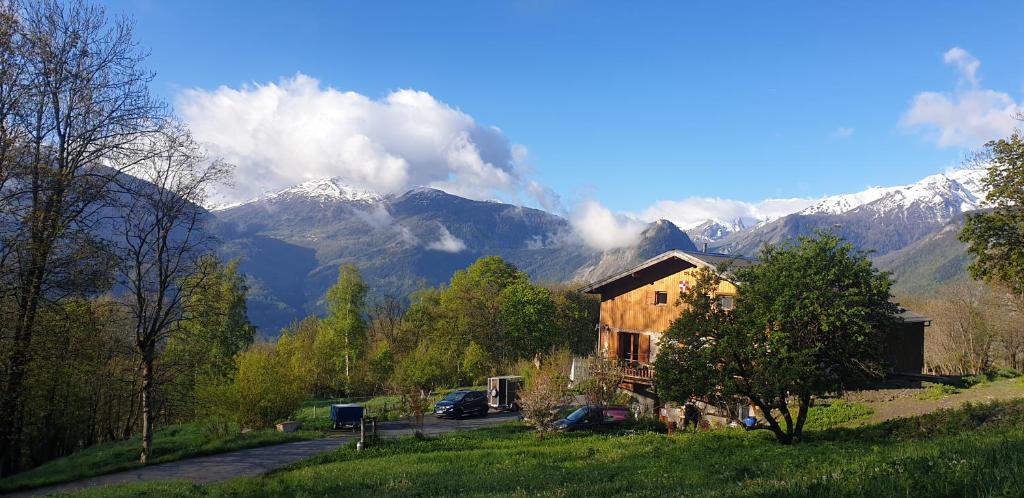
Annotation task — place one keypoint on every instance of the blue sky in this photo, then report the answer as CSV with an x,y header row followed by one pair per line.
x,y
633,103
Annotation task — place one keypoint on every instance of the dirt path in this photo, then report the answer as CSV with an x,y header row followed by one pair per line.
x,y
255,461
889,404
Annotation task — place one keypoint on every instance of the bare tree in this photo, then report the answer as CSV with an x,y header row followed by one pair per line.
x,y
161,242
73,97
965,329
385,315
1011,333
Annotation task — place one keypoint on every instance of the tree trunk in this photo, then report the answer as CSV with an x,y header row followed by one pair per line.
x,y
801,416
147,406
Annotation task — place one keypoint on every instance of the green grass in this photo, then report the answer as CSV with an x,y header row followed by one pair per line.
x,y
836,414
937,391
974,451
169,444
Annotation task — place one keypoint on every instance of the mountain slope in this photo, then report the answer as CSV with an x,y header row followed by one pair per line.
x,y
922,266
878,219
292,242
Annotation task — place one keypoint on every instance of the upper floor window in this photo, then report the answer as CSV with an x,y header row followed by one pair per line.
x,y
660,297
726,302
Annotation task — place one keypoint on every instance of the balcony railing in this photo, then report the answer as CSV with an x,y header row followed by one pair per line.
x,y
636,371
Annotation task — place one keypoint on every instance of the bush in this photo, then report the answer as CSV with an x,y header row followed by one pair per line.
x,y
1007,373
937,391
266,389
543,396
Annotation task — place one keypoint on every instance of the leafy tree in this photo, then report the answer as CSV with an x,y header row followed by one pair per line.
x,y
215,329
995,238
476,363
807,322
267,389
527,317
576,315
74,98
470,306
343,338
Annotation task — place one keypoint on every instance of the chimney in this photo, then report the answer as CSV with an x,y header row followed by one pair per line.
x,y
705,247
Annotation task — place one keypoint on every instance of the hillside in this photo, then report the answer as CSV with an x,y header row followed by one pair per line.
x,y
929,262
292,242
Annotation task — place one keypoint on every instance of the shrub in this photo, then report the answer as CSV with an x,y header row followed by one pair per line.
x,y
542,397
1007,373
266,389
937,391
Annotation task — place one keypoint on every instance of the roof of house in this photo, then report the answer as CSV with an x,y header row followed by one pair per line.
x,y
912,317
705,259
717,261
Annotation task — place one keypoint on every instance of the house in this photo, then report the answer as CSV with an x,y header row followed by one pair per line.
x,y
638,305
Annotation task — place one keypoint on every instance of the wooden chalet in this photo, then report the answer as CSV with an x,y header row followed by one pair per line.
x,y
637,306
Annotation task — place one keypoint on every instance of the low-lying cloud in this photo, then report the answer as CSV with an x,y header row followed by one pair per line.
x,y
603,229
693,211
447,242
284,133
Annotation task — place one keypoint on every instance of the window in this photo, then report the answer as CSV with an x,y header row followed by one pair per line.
x,y
725,302
660,297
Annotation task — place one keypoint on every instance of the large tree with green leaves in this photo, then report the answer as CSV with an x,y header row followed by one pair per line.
x,y
343,338
527,318
995,237
215,329
807,322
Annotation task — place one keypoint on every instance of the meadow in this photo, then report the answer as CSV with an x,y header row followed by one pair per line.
x,y
975,450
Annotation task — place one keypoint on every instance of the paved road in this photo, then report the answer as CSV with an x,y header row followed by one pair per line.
x,y
255,461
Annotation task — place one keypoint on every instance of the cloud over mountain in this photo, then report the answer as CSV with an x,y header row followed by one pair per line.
x,y
280,134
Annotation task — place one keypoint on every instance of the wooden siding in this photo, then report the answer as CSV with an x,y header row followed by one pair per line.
x,y
634,310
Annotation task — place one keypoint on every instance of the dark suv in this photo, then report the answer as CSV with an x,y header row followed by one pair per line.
x,y
459,404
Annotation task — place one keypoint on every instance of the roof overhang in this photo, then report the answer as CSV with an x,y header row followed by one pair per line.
x,y
707,260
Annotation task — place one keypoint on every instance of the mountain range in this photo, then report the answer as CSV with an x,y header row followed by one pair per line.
x,y
291,243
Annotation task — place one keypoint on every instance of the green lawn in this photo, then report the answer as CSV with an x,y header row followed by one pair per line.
x,y
974,451
170,443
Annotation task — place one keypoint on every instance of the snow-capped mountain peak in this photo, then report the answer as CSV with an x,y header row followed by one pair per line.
x,y
320,189
715,229
959,190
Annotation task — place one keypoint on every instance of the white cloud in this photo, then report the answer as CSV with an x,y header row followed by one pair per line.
x,y
281,134
966,63
602,229
968,116
693,211
843,132
447,242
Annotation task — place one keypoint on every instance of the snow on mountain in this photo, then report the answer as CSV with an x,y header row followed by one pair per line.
x,y
321,189
959,191
715,229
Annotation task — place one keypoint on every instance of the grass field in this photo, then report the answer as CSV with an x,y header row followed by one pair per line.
x,y
977,450
169,444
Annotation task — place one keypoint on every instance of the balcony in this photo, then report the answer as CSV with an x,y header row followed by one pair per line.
x,y
635,371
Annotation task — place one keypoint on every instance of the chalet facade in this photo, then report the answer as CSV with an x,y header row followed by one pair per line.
x,y
639,304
